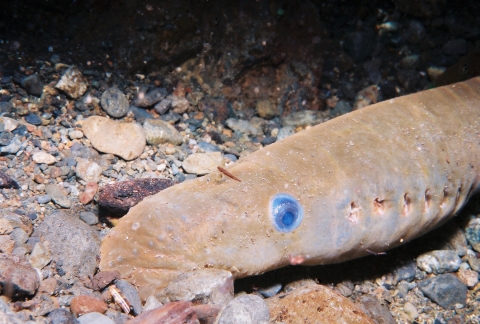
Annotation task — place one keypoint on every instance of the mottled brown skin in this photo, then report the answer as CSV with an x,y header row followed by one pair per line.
x,y
368,181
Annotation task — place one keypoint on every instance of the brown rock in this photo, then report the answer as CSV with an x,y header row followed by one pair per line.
x,y
176,312
87,304
126,140
102,279
7,182
48,285
118,198
207,313
6,244
316,303
17,277
90,191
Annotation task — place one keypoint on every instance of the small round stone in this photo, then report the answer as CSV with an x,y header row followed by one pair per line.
x,y
33,119
114,103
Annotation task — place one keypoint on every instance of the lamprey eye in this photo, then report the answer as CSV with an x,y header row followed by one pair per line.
x,y
286,213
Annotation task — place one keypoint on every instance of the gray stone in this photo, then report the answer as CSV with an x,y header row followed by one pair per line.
x,y
18,275
439,261
158,131
374,309
241,126
33,85
131,295
151,303
472,232
6,138
114,102
73,244
58,196
61,316
11,319
207,147
72,83
89,218
208,286
126,140
163,106
303,118
202,163
271,291
245,309
149,99
12,148
446,290
405,272
44,199
94,317
285,132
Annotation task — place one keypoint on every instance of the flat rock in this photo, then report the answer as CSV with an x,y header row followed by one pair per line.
x,y
439,261
114,102
43,157
446,290
119,197
206,286
375,310
158,131
241,126
202,163
73,244
245,309
130,294
149,99
316,303
40,256
303,118
84,304
94,317
72,83
58,196
103,279
175,312
62,316
17,275
126,140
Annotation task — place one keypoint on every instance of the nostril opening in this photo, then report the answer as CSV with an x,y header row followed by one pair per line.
x,y
445,197
354,213
407,201
457,197
378,205
428,199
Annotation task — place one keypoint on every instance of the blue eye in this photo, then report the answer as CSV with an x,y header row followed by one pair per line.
x,y
286,213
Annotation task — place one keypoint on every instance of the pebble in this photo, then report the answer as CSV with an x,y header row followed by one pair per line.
x,y
62,316
149,99
94,317
19,275
58,196
306,298
6,244
103,279
206,286
7,182
40,256
202,163
468,277
126,140
446,290
5,138
163,106
130,293
405,271
72,83
33,119
366,97
72,243
33,85
375,310
411,311
266,110
114,103
245,309
88,194
175,312
13,147
44,199
271,291
87,170
285,132
43,158
119,197
241,126
75,134
89,218
302,119
472,232
84,304
151,303
158,131
208,147
439,261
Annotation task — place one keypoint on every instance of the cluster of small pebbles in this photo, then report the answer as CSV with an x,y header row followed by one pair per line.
x,y
80,147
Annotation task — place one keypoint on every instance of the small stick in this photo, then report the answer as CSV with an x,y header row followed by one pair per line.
x,y
228,174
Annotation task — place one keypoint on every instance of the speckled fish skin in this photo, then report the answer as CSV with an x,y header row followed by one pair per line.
x,y
368,181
